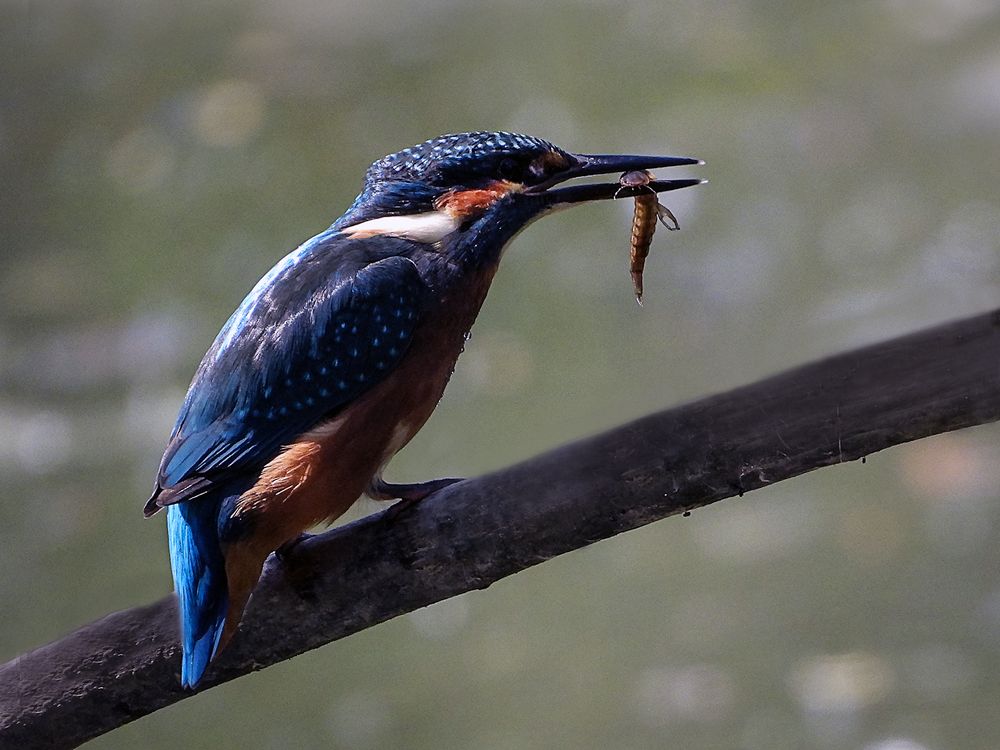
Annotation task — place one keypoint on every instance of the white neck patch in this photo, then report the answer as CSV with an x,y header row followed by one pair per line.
x,y
429,227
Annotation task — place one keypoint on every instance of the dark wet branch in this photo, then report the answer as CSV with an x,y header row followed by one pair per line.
x,y
476,532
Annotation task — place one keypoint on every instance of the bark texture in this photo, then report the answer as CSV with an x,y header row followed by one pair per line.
x,y
471,534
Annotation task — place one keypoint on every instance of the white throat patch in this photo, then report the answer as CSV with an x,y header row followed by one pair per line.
x,y
429,227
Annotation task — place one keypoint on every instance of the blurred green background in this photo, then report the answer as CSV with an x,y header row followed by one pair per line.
x,y
158,157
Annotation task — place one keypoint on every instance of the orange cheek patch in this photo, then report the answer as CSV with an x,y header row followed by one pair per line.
x,y
465,204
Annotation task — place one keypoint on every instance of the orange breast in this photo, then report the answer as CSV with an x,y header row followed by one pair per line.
x,y
318,477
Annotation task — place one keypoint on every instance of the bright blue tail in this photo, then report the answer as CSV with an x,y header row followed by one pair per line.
x,y
200,581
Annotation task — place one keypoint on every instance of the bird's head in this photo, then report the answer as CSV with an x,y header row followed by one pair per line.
x,y
479,189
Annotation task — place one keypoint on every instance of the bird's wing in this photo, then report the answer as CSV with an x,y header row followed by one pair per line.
x,y
305,342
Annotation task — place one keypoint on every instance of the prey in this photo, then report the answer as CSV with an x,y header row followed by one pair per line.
x,y
648,210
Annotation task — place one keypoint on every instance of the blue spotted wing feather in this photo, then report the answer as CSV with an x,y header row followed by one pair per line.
x,y
306,342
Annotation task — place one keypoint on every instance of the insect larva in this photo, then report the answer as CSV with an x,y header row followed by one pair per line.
x,y
647,210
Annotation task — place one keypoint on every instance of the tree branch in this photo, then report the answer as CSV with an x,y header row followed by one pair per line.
x,y
481,530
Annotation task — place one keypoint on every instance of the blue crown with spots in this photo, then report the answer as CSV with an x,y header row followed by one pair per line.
x,y
438,160
408,181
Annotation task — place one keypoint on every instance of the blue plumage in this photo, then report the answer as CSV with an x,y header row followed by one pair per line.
x,y
200,581
456,157
303,345
385,296
408,181
299,348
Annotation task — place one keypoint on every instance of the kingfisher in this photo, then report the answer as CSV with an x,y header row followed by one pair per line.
x,y
338,356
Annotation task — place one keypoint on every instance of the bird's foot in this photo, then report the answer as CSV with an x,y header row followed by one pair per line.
x,y
298,571
379,489
407,495
287,550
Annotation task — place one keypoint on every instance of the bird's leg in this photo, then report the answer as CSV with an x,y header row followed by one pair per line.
x,y
406,494
297,569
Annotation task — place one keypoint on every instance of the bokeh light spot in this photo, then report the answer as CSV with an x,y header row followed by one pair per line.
x,y
228,113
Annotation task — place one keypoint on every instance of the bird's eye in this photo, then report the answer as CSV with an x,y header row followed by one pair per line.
x,y
509,169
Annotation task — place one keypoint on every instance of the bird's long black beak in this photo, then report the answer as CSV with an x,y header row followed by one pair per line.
x,y
598,164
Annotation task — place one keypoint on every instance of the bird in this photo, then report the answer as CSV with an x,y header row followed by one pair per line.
x,y
339,354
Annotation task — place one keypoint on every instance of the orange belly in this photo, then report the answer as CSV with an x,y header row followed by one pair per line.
x,y
319,476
